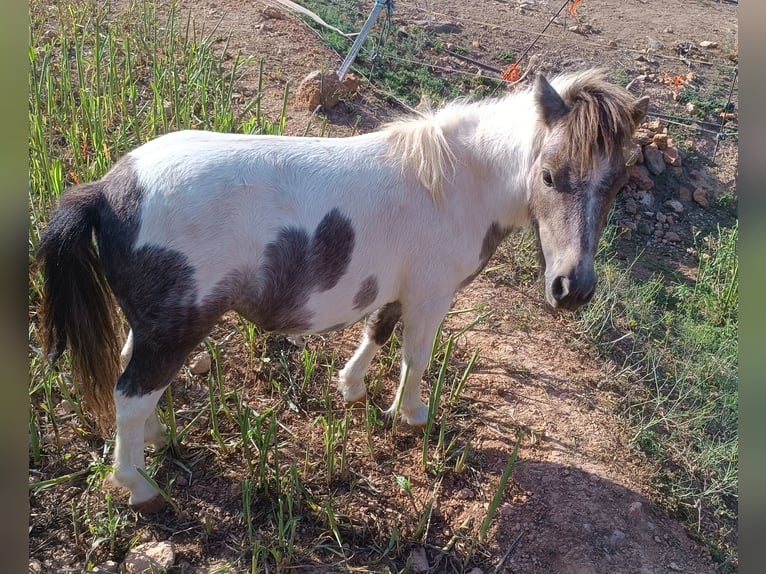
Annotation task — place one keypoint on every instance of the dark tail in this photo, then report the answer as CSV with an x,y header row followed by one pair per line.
x,y
77,307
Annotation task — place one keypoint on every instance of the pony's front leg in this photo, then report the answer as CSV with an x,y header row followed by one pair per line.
x,y
133,413
420,326
378,329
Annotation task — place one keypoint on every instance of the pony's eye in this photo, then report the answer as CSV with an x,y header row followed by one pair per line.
x,y
547,178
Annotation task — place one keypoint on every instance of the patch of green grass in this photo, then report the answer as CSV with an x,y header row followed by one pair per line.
x,y
400,62
679,340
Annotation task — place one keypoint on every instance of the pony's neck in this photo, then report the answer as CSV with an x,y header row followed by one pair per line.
x,y
496,144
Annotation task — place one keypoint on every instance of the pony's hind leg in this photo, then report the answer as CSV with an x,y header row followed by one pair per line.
x,y
420,325
378,329
154,430
133,414
154,363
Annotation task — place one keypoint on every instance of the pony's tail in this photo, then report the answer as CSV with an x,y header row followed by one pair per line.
x,y
77,306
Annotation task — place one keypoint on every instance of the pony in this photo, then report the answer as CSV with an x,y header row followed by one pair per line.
x,y
307,235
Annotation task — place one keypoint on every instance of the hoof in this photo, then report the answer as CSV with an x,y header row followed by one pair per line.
x,y
151,506
354,395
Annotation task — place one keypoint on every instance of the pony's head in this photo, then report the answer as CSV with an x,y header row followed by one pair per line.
x,y
577,173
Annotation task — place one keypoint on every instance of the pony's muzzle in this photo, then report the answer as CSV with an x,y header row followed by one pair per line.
x,y
570,292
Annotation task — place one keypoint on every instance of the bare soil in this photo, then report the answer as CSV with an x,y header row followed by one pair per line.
x,y
582,498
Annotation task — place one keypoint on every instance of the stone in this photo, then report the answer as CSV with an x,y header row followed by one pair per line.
x,y
671,156
674,205
655,125
419,560
630,207
476,571
707,44
200,363
616,538
108,566
672,236
645,228
653,159
641,175
439,27
466,494
646,198
318,89
150,557
690,108
658,233
35,566
660,140
700,197
660,217
643,136
271,12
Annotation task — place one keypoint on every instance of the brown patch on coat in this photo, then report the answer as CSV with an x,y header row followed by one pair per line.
x,y
367,293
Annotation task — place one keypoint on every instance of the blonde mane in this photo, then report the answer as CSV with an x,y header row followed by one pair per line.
x,y
420,144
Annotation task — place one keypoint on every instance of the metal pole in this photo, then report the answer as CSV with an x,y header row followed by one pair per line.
x,y
379,4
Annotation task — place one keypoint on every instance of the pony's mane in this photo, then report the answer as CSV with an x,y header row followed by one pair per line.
x,y
601,119
419,143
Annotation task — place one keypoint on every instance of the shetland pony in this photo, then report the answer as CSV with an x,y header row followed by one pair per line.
x,y
308,235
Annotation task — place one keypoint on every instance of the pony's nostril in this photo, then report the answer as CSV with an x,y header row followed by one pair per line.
x,y
560,288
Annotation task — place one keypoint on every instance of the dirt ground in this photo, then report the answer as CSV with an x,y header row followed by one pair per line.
x,y
582,498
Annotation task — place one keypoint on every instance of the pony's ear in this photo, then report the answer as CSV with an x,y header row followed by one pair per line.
x,y
640,107
552,107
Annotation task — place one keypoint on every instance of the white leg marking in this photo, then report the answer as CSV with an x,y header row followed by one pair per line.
x,y
127,351
132,416
419,333
351,377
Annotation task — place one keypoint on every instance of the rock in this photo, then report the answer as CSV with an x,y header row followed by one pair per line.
x,y
108,566
672,236
476,571
200,363
643,136
653,159
691,108
150,557
419,560
655,125
630,206
466,494
674,205
700,197
668,30
708,44
684,193
646,199
616,538
645,228
660,217
641,175
653,44
271,12
661,141
675,567
318,89
439,27
671,156
658,233
35,566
